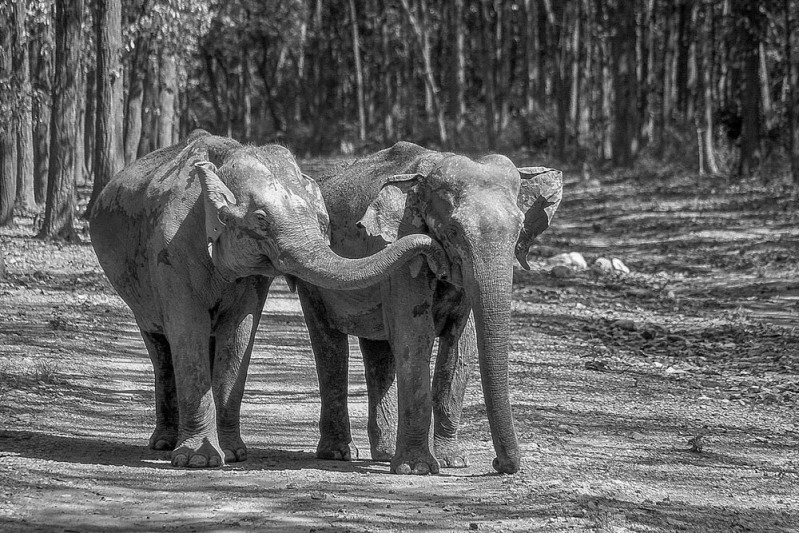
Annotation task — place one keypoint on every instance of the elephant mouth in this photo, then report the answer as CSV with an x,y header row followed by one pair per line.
x,y
261,265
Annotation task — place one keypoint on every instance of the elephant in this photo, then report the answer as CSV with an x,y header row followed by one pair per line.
x,y
484,213
191,237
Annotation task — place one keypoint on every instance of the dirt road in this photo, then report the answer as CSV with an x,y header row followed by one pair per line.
x,y
662,400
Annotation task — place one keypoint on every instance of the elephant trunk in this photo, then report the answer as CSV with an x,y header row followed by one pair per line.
x,y
317,264
488,287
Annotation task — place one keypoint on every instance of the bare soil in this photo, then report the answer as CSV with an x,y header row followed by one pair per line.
x,y
661,400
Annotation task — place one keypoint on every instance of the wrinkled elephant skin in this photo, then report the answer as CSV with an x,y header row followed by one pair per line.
x,y
191,237
484,213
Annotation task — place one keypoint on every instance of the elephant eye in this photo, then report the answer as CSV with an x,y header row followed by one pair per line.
x,y
261,217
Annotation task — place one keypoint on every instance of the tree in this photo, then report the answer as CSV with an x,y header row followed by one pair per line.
x,y
107,160
8,136
422,38
168,88
790,51
59,213
42,74
362,121
750,24
25,193
625,141
705,123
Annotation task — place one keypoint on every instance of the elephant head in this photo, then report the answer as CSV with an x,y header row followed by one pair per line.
x,y
484,213
264,217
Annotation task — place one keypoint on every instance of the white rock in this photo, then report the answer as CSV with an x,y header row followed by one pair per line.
x,y
602,265
619,265
574,259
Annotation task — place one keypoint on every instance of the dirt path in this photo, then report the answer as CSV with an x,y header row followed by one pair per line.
x,y
612,377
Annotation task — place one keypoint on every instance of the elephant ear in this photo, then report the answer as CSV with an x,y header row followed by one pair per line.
x,y
539,197
217,200
393,212
315,195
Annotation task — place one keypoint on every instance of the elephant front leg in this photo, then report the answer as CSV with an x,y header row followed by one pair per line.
x,y
229,372
198,444
411,334
457,353
165,435
234,337
379,370
331,353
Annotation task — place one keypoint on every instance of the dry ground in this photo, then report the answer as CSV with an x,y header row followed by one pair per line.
x,y
664,400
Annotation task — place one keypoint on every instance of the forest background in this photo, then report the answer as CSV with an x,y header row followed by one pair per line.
x,y
86,87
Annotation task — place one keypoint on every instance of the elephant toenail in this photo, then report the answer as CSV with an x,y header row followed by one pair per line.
x,y
198,461
180,460
422,469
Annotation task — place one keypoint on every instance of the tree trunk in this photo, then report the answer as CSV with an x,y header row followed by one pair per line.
x,y
79,161
708,157
560,84
532,87
423,41
168,85
108,78
750,156
488,73
682,53
504,40
362,121
42,55
299,102
791,75
88,122
667,86
624,84
8,135
458,102
25,194
763,74
59,212
575,72
645,31
585,111
147,142
133,114
247,102
606,102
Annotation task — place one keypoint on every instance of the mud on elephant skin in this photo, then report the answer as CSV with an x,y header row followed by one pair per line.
x,y
191,237
484,212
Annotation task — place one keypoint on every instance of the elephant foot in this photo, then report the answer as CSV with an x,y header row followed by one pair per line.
x,y
163,438
336,451
233,448
381,454
198,453
419,463
451,455
508,466
382,449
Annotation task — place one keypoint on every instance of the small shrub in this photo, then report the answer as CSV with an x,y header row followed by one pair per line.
x,y
46,372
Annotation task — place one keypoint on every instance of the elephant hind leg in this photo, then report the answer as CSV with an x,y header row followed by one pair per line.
x,y
165,435
379,369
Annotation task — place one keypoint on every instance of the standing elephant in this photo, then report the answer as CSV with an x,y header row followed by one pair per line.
x,y
191,236
483,212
